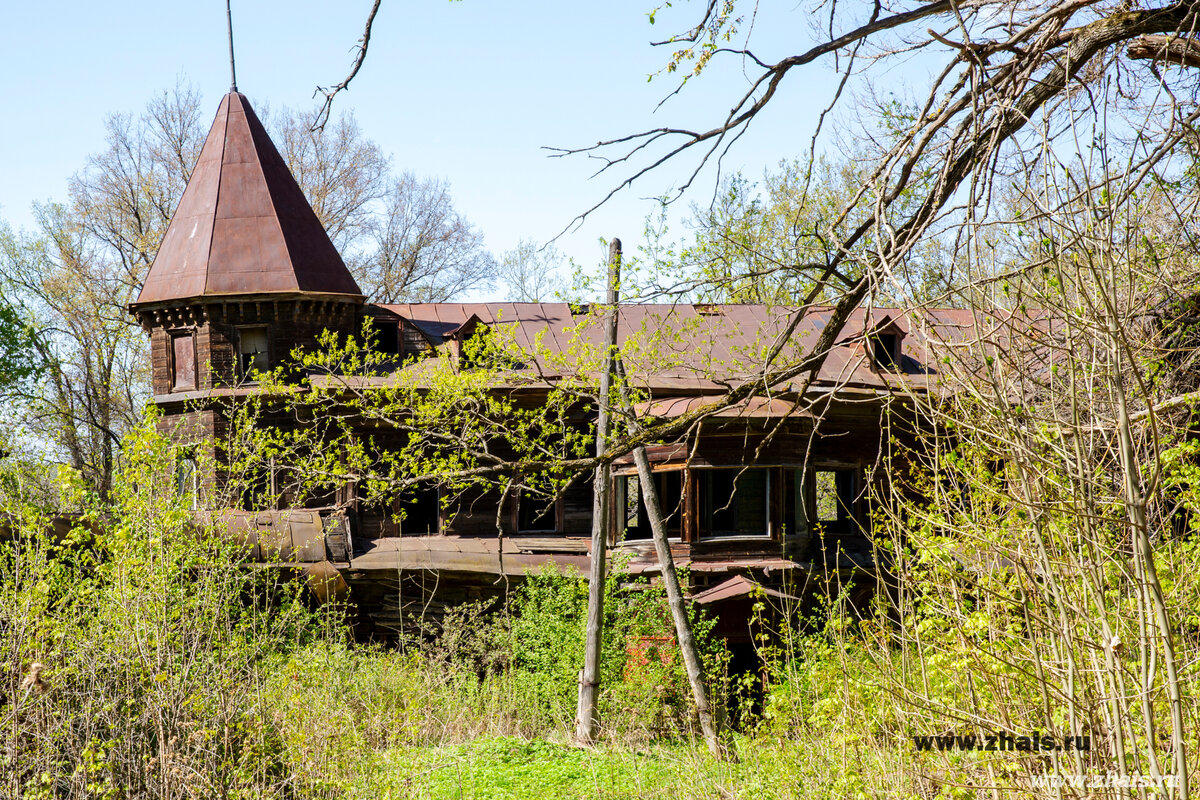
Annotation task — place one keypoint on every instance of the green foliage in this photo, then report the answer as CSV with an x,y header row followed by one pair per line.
x,y
146,641
20,354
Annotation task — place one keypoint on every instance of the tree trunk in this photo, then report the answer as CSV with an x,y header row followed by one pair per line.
x,y
589,678
666,562
683,630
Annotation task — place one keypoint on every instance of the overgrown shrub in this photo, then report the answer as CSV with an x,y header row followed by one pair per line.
x,y
135,648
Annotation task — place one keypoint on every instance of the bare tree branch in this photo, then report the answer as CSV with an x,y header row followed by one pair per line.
x,y
363,43
1171,49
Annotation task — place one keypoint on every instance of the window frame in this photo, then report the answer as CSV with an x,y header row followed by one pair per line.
x,y
853,524
243,372
172,336
617,525
187,470
703,525
556,510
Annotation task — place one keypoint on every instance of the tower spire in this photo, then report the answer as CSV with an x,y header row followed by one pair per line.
x,y
229,27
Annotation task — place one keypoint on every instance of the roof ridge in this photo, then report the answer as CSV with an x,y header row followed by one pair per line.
x,y
258,163
212,227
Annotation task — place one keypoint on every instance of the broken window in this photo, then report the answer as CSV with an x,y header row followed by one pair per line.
x,y
252,351
834,495
734,502
633,518
418,513
183,361
536,514
885,351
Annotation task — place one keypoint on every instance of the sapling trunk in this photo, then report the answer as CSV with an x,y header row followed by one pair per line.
x,y
666,562
586,720
683,629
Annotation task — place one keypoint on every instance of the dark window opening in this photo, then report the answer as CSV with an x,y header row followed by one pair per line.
x,y
252,351
536,514
183,362
834,495
795,509
885,346
418,513
734,502
387,336
633,518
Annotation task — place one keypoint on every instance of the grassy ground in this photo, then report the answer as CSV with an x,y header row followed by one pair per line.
x,y
499,768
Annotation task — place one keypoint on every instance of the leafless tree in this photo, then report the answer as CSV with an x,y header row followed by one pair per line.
x,y
343,174
531,273
422,249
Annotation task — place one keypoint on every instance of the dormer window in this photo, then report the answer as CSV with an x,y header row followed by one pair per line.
x,y
470,342
885,350
883,346
252,351
387,336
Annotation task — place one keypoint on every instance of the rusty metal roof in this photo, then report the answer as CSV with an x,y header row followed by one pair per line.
x,y
680,350
737,586
243,225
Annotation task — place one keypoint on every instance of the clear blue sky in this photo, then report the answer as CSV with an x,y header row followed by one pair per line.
x,y
466,91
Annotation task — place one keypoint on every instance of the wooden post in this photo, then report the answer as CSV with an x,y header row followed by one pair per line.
x,y
589,678
683,629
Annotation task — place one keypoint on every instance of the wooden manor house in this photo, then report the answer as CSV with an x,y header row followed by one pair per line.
x,y
246,273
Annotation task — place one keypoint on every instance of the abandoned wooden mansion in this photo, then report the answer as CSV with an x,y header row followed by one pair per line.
x,y
246,273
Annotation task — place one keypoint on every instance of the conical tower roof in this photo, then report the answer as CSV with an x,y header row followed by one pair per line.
x,y
243,225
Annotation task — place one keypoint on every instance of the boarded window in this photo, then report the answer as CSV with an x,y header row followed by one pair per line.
x,y
252,351
735,502
183,362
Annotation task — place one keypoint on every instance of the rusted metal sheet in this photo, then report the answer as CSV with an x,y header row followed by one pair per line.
x,y
243,224
58,528
326,582
737,586
292,536
703,349
452,554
